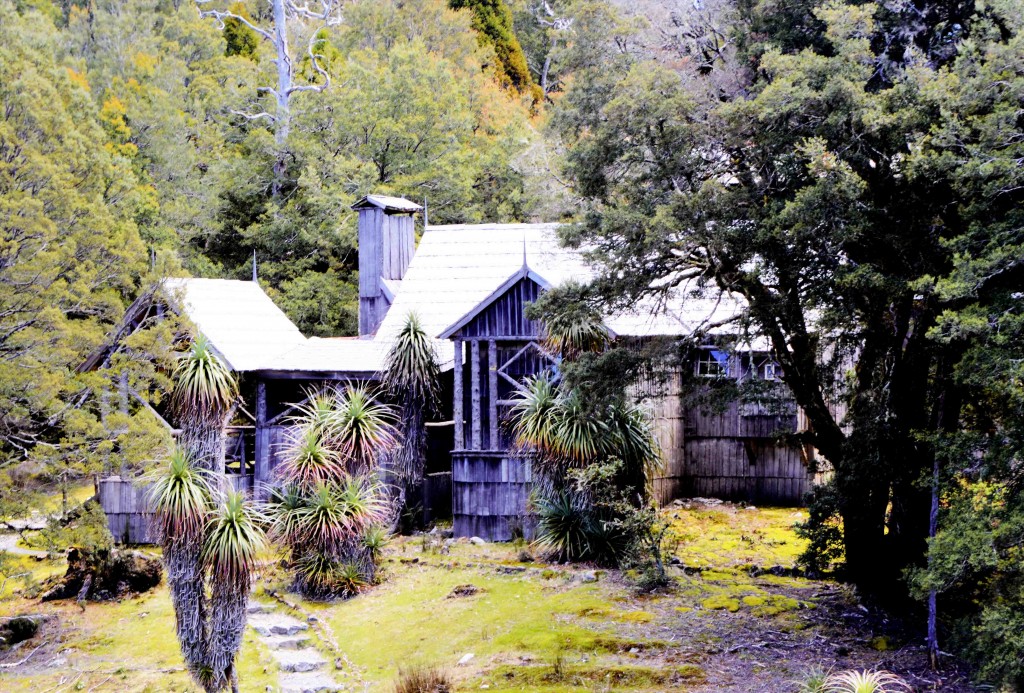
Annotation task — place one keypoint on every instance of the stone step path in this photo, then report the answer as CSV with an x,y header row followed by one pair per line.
x,y
302,668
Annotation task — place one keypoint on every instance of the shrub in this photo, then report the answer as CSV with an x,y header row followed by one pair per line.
x,y
864,682
423,680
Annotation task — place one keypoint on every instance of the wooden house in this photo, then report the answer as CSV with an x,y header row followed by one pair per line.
x,y
469,286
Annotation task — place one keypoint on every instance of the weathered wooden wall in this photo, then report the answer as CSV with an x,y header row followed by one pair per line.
x,y
490,491
737,456
128,512
130,515
506,315
669,423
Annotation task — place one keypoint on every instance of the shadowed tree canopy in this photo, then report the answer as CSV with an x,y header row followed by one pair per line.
x,y
860,185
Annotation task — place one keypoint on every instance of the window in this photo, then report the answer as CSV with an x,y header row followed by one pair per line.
x,y
770,370
712,363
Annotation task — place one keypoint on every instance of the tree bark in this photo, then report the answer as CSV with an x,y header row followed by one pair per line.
x,y
284,86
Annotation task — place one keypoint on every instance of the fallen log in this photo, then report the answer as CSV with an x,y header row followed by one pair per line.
x,y
104,575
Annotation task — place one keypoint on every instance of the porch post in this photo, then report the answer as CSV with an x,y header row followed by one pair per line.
x,y
262,468
475,392
492,392
457,415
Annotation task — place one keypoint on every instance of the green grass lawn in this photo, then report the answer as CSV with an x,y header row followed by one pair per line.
x,y
530,626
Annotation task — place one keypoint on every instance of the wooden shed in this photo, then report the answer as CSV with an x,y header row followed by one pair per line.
x,y
469,285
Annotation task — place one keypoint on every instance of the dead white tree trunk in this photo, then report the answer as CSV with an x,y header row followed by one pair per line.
x,y
285,13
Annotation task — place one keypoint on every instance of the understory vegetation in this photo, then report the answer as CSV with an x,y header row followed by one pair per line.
x,y
735,615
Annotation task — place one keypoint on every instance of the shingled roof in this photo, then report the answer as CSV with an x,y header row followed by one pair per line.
x,y
455,270
458,267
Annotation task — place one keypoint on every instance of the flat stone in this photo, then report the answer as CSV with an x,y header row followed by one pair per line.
x,y
310,682
259,608
276,624
477,541
286,642
297,661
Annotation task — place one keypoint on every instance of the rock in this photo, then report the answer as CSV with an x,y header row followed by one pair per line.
x,y
258,608
310,682
510,569
18,629
276,624
588,576
463,591
465,659
299,661
675,560
57,662
750,507
477,541
287,642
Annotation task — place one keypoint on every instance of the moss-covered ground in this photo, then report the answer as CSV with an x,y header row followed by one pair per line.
x,y
735,620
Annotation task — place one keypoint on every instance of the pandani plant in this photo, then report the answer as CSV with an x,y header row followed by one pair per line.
x,y
210,546
329,507
412,378
209,539
202,401
592,454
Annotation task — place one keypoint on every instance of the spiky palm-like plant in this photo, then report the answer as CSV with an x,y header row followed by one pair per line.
x,y
412,377
233,540
307,460
198,539
865,682
331,496
575,330
361,429
180,497
204,393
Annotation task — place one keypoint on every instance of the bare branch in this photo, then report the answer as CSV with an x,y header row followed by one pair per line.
x,y
328,12
253,116
314,60
221,15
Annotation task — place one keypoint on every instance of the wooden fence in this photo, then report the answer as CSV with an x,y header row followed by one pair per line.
x,y
129,513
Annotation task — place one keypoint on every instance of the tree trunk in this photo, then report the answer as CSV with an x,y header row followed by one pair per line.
x,y
284,86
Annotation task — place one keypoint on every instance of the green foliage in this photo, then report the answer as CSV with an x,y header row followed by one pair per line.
x,y
783,174
71,246
84,527
493,20
823,532
977,567
240,39
331,510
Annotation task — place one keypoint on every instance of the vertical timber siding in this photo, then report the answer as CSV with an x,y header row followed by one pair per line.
x,y
490,491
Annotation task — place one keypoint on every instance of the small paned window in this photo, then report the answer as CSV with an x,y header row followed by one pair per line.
x,y
770,370
712,363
